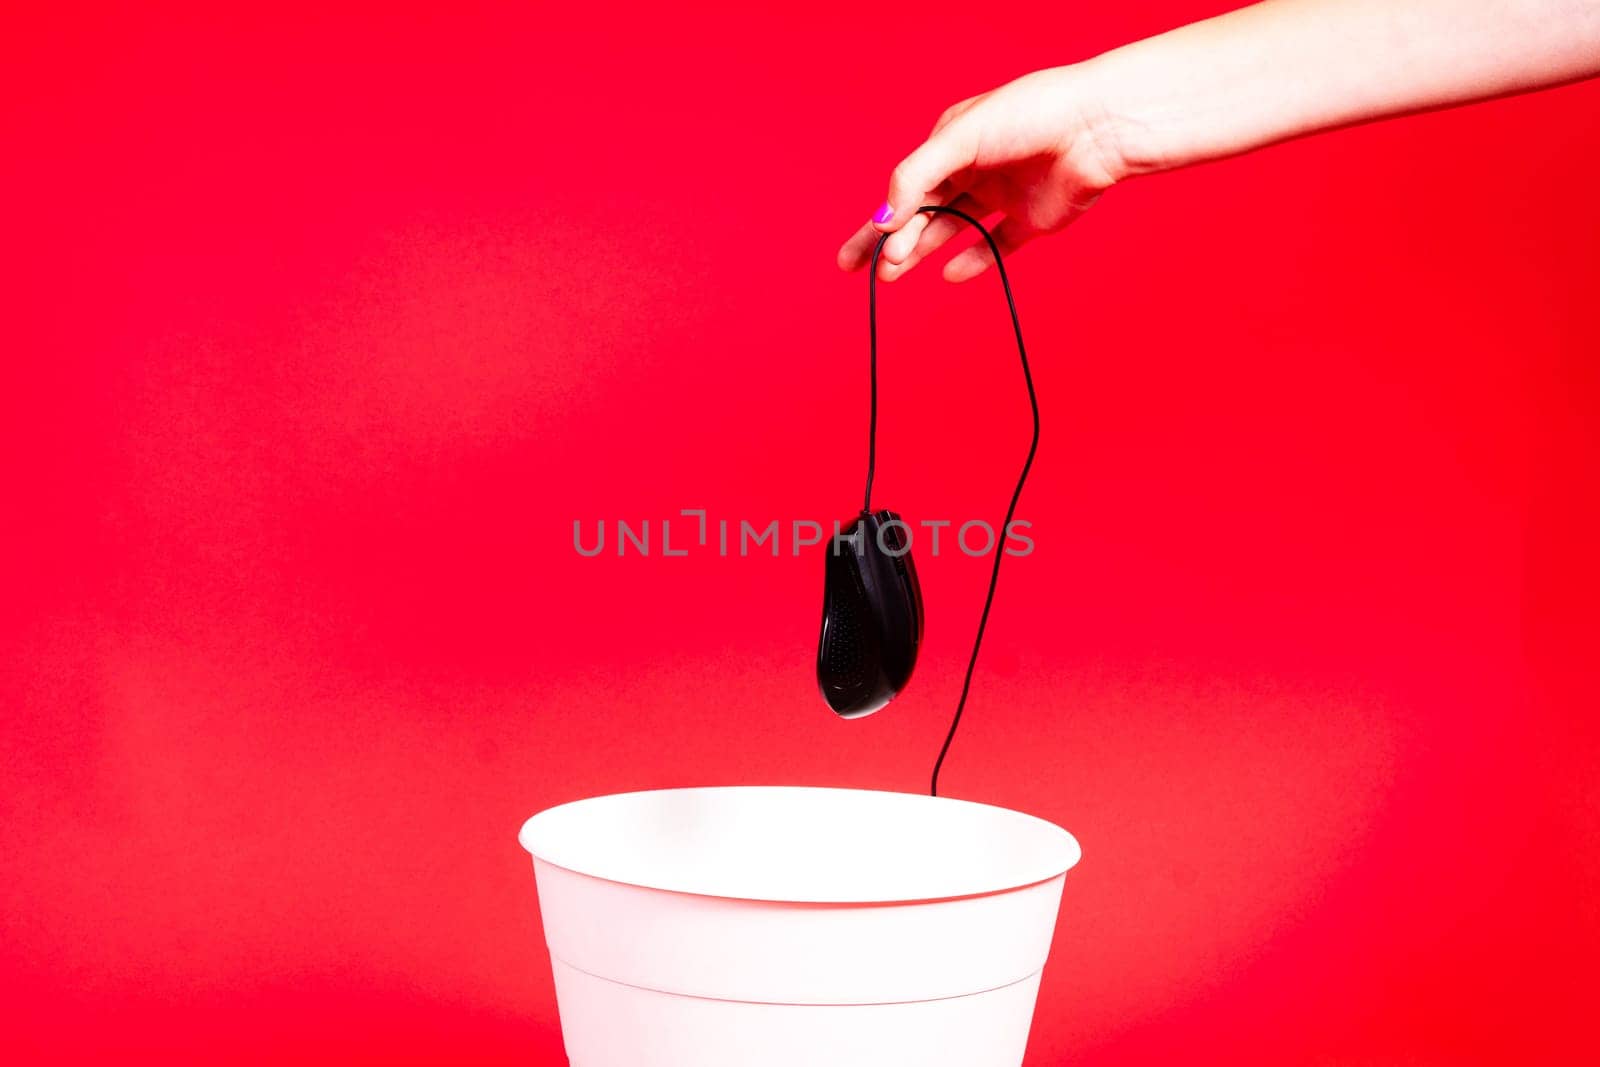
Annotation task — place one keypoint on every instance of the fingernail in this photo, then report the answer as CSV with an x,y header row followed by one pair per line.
x,y
885,213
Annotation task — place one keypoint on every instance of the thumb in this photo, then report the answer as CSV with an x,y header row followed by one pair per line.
x,y
947,152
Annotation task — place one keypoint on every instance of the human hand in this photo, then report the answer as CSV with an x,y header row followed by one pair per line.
x,y
1040,150
1035,150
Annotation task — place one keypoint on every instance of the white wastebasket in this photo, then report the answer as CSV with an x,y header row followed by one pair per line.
x,y
753,926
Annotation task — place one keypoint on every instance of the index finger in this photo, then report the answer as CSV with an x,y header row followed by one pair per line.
x,y
858,249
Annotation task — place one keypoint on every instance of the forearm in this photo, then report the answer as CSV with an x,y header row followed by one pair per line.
x,y
1287,67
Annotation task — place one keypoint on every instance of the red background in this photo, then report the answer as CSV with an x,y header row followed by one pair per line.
x,y
321,333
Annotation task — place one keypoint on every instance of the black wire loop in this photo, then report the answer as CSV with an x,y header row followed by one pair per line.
x,y
1033,446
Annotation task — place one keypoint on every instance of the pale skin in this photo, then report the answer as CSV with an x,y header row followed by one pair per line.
x,y
1036,153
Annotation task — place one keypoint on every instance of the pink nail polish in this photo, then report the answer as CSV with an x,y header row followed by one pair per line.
x,y
885,213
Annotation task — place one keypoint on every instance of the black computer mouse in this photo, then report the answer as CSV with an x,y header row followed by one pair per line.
x,y
871,615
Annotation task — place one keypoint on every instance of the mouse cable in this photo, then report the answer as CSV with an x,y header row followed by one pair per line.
x,y
1033,446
